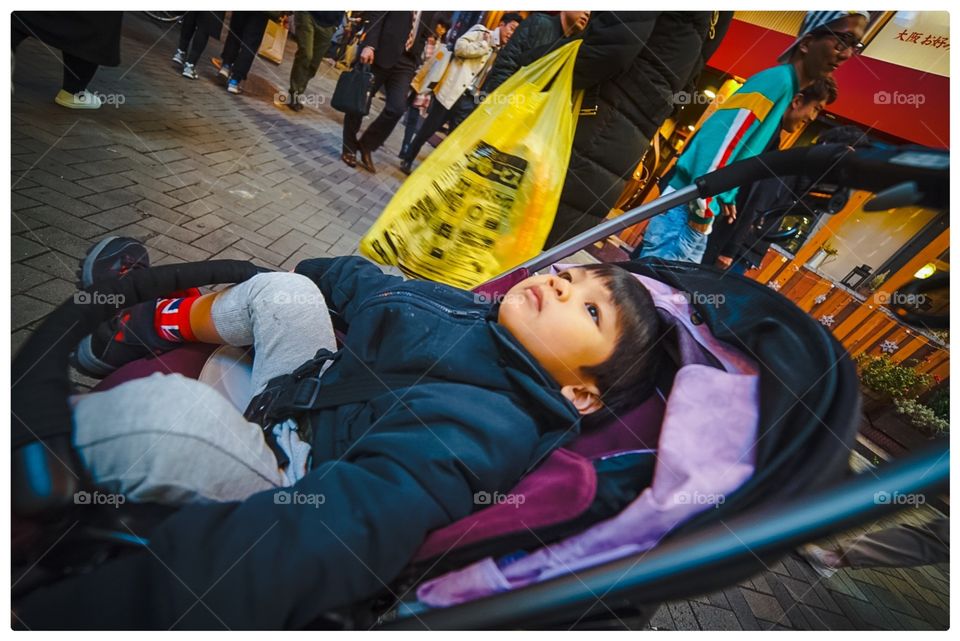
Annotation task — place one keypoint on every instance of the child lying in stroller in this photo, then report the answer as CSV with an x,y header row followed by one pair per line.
x,y
467,395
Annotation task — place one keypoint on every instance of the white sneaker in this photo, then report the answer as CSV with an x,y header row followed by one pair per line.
x,y
190,71
233,86
179,56
819,559
82,100
224,71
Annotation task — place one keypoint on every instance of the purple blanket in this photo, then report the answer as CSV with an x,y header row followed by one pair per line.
x,y
705,452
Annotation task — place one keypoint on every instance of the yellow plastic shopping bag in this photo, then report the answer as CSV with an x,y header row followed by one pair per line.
x,y
484,201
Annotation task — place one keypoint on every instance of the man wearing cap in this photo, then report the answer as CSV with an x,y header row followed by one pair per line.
x,y
743,125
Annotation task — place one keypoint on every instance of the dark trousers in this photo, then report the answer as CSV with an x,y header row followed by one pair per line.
x,y
438,115
77,72
243,40
193,37
312,42
411,123
396,82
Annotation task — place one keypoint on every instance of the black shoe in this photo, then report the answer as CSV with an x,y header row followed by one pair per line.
x,y
406,166
293,101
112,257
366,161
126,337
349,158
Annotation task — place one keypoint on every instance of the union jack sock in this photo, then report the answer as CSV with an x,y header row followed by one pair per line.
x,y
171,320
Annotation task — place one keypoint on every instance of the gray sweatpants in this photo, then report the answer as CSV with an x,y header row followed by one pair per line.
x,y
171,439
902,545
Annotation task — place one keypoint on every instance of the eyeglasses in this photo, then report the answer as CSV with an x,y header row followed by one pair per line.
x,y
845,40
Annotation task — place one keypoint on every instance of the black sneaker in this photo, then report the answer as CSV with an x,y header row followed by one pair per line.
x,y
126,337
112,257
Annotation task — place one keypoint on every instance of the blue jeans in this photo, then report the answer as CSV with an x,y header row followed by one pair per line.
x,y
668,236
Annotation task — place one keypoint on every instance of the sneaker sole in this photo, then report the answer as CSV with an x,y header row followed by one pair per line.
x,y
86,263
77,105
85,362
85,273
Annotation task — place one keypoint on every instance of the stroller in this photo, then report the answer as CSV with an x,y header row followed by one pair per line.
x,y
808,411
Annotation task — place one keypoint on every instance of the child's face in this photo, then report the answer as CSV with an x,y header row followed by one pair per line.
x,y
567,322
800,114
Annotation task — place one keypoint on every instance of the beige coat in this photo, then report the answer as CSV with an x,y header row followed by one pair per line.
x,y
470,53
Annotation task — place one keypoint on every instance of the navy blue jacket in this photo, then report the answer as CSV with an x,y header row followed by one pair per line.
x,y
389,471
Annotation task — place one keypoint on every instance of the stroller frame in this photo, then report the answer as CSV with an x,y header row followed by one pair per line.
x,y
690,563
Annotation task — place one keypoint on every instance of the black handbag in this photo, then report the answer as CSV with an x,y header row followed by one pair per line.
x,y
351,93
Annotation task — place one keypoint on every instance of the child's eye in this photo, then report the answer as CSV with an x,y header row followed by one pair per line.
x,y
594,311
565,276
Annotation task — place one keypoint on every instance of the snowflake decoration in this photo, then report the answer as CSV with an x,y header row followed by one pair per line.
x,y
827,320
774,285
888,347
819,300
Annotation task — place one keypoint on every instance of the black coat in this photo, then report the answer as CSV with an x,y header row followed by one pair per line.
x,y
387,33
631,65
93,36
537,30
390,470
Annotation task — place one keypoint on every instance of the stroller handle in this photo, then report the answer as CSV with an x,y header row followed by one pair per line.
x,y
869,169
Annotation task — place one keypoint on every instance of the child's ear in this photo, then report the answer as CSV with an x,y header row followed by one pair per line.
x,y
586,398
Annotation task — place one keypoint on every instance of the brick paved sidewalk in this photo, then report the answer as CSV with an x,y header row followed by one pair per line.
x,y
197,173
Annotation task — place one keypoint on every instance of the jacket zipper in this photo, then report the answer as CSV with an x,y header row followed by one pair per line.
x,y
447,310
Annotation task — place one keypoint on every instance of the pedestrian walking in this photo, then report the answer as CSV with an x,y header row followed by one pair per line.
x,y
742,127
86,39
392,46
456,95
900,546
195,31
313,30
243,41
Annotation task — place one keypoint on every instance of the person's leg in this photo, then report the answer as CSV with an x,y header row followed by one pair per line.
x,y
199,42
397,84
77,73
352,122
411,123
187,29
321,41
661,239
692,244
436,116
300,71
174,440
461,110
899,546
250,37
231,46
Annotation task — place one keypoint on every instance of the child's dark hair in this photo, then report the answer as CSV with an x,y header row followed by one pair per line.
x,y
821,89
627,377
511,17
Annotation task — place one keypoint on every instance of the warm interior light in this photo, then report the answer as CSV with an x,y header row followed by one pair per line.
x,y
926,271
710,93
691,127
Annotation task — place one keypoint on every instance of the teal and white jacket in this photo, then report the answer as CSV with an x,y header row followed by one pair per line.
x,y
741,127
